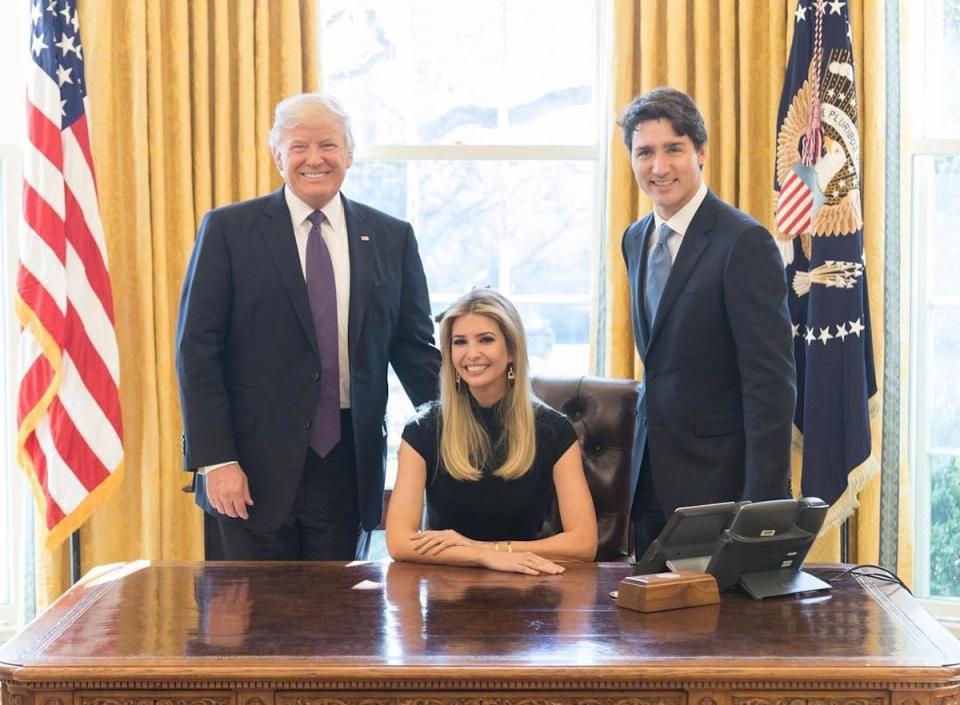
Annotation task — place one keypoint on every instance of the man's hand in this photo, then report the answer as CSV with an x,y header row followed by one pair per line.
x,y
228,491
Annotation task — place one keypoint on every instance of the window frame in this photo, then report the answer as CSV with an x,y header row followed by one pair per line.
x,y
15,496
597,153
923,22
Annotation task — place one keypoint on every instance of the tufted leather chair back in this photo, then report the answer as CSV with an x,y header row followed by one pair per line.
x,y
603,412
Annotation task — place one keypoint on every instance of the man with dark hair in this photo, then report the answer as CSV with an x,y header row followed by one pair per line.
x,y
710,320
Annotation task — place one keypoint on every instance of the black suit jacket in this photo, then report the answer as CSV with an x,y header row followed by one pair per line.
x,y
716,408
247,358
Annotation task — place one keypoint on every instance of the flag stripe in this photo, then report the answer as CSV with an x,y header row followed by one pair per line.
x,y
79,182
796,208
53,514
44,135
35,382
43,94
90,258
101,432
81,135
72,446
44,222
62,483
45,178
36,296
93,321
799,218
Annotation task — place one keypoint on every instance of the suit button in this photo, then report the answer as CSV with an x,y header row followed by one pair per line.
x,y
305,424
316,376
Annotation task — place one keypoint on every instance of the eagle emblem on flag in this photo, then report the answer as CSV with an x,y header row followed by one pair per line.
x,y
818,156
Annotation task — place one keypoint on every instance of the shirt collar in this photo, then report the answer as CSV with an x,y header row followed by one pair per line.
x,y
681,219
299,210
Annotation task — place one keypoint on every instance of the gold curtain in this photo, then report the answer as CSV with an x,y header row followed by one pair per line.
x,y
730,56
181,96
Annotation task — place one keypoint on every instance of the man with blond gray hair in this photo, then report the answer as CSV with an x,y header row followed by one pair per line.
x,y
292,307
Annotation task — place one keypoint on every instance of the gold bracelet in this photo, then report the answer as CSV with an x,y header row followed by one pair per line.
x,y
509,547
496,546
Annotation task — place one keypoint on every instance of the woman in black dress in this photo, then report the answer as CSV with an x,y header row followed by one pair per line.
x,y
488,455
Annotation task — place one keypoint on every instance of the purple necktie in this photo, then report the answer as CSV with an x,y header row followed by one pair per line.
x,y
322,291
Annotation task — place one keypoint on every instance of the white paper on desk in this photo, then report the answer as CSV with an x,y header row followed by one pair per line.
x,y
353,564
367,585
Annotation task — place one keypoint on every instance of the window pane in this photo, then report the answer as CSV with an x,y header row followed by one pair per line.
x,y
473,72
943,380
382,185
558,337
551,223
944,525
943,240
522,227
942,104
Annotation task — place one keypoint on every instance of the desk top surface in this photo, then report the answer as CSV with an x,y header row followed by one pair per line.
x,y
396,616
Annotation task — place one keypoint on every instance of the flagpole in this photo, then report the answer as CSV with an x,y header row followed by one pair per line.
x,y
845,541
75,557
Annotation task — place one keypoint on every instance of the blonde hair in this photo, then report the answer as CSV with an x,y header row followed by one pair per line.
x,y
308,109
465,446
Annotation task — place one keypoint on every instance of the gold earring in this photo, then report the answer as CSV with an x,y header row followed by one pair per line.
x,y
458,381
511,375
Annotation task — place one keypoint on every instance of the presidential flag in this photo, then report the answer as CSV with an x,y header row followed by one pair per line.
x,y
819,224
69,439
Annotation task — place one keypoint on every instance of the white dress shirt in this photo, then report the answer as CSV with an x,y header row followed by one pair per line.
x,y
678,223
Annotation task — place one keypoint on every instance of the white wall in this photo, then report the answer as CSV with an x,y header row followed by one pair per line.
x,y
14,48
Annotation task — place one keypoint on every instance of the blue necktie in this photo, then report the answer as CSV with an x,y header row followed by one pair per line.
x,y
322,292
658,269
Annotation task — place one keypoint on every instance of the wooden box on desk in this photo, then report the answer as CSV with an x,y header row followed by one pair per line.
x,y
667,591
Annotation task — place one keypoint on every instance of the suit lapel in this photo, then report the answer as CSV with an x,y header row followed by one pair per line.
x,y
694,242
277,231
363,260
641,259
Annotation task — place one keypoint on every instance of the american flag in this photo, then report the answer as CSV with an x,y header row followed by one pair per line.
x,y
70,438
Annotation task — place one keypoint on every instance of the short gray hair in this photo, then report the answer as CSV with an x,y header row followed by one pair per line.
x,y
308,109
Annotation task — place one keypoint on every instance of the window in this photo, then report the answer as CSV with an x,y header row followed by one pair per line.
x,y
15,499
934,152
13,495
480,122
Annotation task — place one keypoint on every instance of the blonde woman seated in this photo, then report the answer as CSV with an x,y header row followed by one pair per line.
x,y
488,454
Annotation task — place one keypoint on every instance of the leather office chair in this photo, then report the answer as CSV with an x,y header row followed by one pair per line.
x,y
603,412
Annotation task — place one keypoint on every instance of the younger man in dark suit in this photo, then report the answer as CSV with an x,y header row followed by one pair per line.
x,y
292,306
710,320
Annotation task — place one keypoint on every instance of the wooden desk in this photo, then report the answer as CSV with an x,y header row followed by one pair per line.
x,y
297,634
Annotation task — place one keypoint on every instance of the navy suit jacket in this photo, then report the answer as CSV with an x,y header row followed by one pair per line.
x,y
716,407
247,358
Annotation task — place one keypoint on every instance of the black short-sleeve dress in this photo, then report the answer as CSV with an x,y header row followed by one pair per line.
x,y
491,509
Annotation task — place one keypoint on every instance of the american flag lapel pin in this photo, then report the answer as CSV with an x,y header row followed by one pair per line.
x,y
364,238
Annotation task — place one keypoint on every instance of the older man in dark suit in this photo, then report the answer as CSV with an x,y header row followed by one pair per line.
x,y
710,319
292,307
